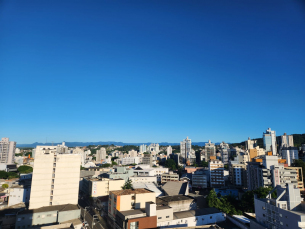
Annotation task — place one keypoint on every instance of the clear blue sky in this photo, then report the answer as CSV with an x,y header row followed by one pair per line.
x,y
139,71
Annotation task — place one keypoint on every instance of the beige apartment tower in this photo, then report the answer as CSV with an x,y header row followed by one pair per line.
x,y
55,179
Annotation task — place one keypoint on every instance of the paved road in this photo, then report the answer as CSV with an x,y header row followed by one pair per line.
x,y
89,214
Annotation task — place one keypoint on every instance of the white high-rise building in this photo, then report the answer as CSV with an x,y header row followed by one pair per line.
x,y
7,151
270,141
143,148
286,141
185,147
224,150
169,150
101,154
250,144
55,178
153,148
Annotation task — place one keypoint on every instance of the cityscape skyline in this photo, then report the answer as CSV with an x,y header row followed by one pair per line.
x,y
141,71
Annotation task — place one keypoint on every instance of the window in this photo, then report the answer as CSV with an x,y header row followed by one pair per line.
x,y
263,208
159,217
38,216
211,217
134,225
49,215
167,216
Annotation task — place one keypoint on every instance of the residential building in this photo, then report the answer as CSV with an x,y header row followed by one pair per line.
x,y
169,150
130,160
151,186
299,171
143,148
210,150
143,179
147,159
153,148
19,194
282,176
258,176
7,151
199,179
290,154
285,211
255,152
102,186
224,151
238,174
119,173
193,218
133,153
101,154
146,170
126,200
250,144
46,216
269,139
165,177
55,178
216,169
286,141
185,147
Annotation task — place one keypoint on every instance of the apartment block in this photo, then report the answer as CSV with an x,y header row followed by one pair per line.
x,y
224,151
210,150
216,169
290,154
285,211
299,176
101,154
55,179
102,186
185,147
269,139
238,174
7,151
130,160
147,159
165,177
199,179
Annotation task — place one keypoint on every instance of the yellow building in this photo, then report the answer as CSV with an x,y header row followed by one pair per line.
x,y
102,187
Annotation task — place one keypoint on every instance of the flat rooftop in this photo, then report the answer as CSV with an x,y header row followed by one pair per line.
x,y
198,212
173,198
133,212
60,208
131,191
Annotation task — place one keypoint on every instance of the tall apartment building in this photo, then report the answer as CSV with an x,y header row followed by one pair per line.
x,y
269,139
290,154
7,151
299,171
143,148
133,153
153,148
210,150
250,144
130,160
216,169
286,141
185,147
238,174
101,154
224,151
282,176
169,151
199,179
285,211
102,186
55,178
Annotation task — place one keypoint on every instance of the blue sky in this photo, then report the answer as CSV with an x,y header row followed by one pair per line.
x,y
139,71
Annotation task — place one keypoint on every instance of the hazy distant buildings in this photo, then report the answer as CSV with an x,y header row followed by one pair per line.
x,y
269,139
210,150
133,153
153,148
101,154
185,147
55,178
7,151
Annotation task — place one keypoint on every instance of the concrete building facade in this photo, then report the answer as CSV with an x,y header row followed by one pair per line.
x,y
7,151
216,169
269,139
55,179
210,150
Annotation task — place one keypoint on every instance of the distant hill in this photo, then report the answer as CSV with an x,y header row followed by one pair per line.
x,y
298,140
74,144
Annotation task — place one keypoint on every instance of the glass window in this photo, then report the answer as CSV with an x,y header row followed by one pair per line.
x,y
134,225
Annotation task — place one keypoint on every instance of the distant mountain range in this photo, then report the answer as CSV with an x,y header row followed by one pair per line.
x,y
74,144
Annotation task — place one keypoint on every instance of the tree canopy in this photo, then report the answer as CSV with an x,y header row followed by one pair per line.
x,y
25,169
127,185
171,164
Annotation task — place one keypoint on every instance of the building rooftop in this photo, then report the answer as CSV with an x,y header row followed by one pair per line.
x,y
131,191
133,212
172,188
162,207
60,208
165,199
198,212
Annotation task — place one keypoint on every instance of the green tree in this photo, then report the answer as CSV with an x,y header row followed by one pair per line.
x,y
170,163
3,174
11,175
127,185
204,164
114,163
105,165
5,186
25,169
212,200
